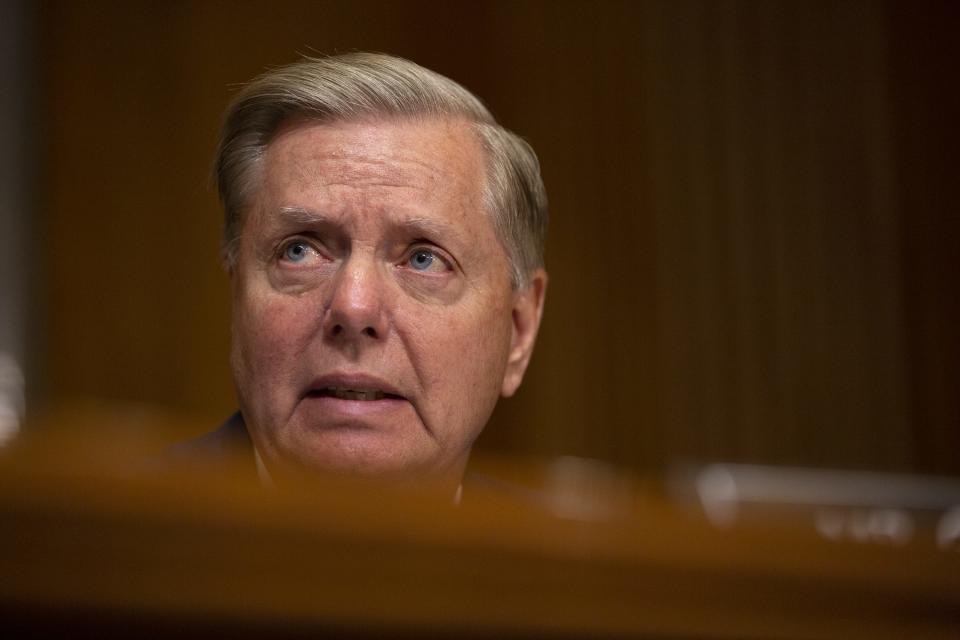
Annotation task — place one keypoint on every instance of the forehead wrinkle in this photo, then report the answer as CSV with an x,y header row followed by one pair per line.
x,y
363,162
384,171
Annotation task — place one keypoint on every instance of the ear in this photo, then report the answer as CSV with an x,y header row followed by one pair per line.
x,y
228,258
527,311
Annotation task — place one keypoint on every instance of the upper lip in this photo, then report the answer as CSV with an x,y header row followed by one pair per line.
x,y
353,381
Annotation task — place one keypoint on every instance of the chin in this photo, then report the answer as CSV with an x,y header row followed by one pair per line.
x,y
364,454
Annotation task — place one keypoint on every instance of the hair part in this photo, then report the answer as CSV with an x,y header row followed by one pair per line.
x,y
360,85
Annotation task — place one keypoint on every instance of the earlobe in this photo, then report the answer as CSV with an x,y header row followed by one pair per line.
x,y
527,311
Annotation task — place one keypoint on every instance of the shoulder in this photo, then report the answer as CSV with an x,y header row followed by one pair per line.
x,y
218,448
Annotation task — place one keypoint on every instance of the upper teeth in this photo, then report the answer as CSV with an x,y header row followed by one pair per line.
x,y
355,394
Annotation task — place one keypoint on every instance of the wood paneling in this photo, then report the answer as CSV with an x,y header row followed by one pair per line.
x,y
733,250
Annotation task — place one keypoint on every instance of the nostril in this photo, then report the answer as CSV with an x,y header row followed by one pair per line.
x,y
370,331
337,330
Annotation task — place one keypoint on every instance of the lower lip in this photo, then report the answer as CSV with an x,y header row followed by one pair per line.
x,y
333,406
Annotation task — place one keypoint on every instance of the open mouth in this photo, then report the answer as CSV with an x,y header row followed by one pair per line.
x,y
352,394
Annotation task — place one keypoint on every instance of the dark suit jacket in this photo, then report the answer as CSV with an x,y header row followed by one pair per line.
x,y
222,448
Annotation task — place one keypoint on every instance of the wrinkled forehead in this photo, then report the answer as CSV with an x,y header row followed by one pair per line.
x,y
434,164
399,168
427,150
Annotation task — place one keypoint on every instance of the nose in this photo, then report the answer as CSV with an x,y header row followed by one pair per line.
x,y
355,309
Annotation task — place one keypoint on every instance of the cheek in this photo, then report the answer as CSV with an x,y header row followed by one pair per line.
x,y
269,334
466,352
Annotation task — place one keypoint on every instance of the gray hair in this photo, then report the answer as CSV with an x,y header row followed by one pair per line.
x,y
356,85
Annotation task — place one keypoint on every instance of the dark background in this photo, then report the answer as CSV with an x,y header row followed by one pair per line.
x,y
754,238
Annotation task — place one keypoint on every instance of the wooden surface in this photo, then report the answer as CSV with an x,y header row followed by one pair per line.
x,y
86,543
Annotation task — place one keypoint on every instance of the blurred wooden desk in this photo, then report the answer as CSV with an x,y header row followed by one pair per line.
x,y
90,549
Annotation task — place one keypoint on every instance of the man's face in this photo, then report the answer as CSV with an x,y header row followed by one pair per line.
x,y
374,321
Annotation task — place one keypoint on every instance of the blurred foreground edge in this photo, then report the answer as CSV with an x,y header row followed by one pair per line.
x,y
93,543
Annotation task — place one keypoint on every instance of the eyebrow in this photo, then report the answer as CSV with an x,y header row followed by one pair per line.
x,y
299,215
428,228
415,226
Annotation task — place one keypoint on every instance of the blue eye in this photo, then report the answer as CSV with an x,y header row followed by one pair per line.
x,y
296,251
422,260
